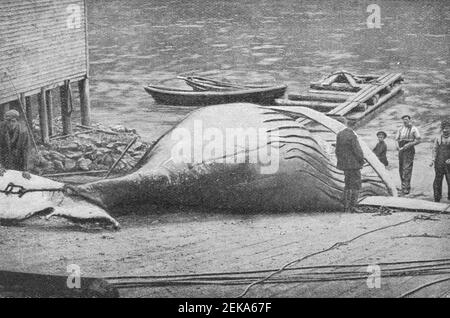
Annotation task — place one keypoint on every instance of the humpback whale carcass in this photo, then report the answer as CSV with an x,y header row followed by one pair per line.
x,y
235,156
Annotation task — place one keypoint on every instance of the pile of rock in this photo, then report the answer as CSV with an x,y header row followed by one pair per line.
x,y
88,149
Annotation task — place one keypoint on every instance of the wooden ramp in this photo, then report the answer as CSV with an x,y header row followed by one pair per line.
x,y
367,93
406,204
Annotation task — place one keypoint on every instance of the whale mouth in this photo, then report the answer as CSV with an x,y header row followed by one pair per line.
x,y
101,221
22,199
14,221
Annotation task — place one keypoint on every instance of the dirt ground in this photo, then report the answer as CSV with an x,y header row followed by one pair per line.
x,y
165,242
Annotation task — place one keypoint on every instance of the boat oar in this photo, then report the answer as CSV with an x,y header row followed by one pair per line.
x,y
131,143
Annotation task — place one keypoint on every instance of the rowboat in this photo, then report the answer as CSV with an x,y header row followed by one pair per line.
x,y
181,97
208,84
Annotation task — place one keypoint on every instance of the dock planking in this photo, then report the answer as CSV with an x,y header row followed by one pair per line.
x,y
365,94
368,94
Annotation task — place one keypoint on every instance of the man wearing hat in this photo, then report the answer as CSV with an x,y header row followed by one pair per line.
x,y
408,137
350,159
14,145
441,160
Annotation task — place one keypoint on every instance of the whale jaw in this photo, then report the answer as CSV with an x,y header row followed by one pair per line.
x,y
16,208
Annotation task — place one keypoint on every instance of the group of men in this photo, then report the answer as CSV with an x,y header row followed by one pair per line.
x,y
350,159
15,155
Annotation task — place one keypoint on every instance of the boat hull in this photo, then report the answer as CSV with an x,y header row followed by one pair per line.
x,y
168,96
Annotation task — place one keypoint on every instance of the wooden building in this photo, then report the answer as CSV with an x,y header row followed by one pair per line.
x,y
44,52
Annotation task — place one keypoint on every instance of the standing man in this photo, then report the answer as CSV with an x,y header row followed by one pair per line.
x,y
350,159
441,161
407,138
14,145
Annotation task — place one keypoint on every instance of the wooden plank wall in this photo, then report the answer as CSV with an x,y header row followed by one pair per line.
x,y
43,43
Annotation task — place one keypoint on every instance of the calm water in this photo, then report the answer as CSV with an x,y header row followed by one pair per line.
x,y
292,41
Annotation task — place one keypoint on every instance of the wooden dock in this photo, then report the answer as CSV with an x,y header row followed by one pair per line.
x,y
364,94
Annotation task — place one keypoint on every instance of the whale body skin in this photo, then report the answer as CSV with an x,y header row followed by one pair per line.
x,y
302,177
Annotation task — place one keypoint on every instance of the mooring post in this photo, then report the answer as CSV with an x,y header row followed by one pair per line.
x,y
49,104
85,106
64,93
43,123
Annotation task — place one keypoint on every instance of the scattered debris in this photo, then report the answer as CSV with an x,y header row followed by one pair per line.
x,y
87,149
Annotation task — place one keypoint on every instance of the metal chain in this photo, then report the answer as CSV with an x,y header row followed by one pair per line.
x,y
20,191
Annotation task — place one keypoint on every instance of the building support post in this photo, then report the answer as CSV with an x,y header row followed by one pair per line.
x,y
85,103
28,110
43,119
49,105
3,109
64,93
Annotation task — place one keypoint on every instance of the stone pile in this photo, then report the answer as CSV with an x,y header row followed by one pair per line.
x,y
87,149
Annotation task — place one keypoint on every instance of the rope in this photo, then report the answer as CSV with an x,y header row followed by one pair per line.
x,y
286,280
424,286
446,261
335,245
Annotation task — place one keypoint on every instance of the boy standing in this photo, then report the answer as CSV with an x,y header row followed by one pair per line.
x,y
381,149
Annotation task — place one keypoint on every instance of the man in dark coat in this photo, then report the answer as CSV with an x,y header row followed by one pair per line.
x,y
14,145
350,159
441,161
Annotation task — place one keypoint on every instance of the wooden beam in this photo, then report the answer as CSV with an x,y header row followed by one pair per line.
x,y
331,93
33,90
64,93
317,97
85,105
49,105
323,107
20,106
43,119
23,102
28,110
406,204
3,109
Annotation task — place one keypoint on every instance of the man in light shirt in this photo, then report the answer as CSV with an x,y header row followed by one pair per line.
x,y
441,161
408,137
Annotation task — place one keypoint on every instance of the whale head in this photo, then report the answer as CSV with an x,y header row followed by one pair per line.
x,y
47,198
